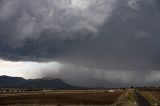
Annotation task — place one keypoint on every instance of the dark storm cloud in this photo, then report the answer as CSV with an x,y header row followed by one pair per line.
x,y
48,29
107,37
127,40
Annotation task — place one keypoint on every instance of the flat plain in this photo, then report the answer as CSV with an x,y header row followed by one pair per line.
x,y
61,97
118,97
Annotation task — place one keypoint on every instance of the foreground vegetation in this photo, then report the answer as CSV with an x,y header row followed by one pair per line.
x,y
152,95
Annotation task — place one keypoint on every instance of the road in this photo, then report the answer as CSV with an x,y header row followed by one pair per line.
x,y
141,100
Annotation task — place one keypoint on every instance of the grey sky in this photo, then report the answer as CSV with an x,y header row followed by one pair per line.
x,y
96,42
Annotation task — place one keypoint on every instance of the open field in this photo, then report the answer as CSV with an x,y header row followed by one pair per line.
x,y
152,95
81,97
70,97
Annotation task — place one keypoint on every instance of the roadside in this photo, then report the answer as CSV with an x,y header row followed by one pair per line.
x,y
151,98
141,100
127,99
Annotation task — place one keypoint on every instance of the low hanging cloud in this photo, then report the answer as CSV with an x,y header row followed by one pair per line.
x,y
96,38
78,75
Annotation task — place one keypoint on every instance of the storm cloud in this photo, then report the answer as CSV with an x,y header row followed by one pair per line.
x,y
103,41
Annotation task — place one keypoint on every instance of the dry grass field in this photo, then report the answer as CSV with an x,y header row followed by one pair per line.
x,y
153,96
70,97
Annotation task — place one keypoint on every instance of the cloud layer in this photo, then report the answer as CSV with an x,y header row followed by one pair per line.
x,y
59,18
78,75
100,38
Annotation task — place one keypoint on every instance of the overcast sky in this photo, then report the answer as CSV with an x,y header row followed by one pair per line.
x,y
83,42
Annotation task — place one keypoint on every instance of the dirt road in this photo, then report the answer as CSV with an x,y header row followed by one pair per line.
x,y
141,100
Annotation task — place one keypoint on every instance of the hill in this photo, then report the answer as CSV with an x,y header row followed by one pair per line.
x,y
18,82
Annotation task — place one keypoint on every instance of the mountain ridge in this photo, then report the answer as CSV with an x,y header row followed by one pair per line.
x,y
19,82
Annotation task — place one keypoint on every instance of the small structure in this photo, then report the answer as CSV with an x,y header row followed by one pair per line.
x,y
47,90
111,90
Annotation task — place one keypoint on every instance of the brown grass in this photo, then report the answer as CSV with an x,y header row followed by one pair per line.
x,y
153,96
60,98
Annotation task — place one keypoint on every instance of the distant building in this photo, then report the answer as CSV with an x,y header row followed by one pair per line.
x,y
47,90
111,90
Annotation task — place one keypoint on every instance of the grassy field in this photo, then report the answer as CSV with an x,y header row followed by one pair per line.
x,y
81,97
153,96
131,99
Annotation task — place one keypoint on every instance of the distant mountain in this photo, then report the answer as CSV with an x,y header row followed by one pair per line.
x,y
18,82
6,81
